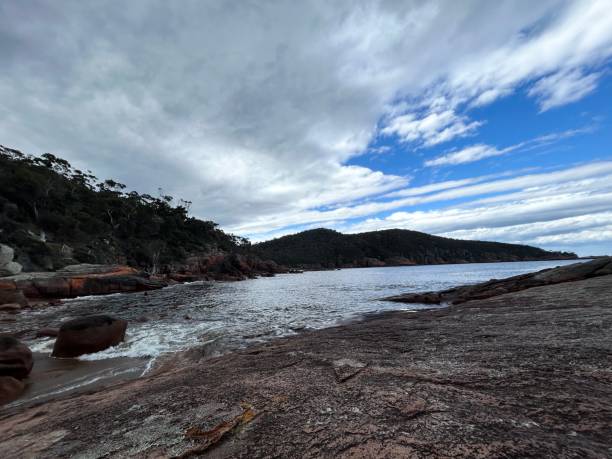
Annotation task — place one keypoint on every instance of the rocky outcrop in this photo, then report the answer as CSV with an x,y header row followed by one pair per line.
x,y
15,358
8,267
77,280
87,335
574,272
224,266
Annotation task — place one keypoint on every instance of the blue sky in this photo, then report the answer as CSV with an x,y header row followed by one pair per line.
x,y
476,119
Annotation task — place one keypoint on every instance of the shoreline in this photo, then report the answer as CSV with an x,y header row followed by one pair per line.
x,y
57,375
522,373
54,379
444,264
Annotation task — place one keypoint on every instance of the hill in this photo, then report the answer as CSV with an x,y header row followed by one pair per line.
x,y
324,248
54,215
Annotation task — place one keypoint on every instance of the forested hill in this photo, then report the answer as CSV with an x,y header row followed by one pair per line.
x,y
55,215
324,248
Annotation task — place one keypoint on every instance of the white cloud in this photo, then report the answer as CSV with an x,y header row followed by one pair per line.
x,y
594,179
252,111
556,52
466,155
432,129
563,88
498,222
477,152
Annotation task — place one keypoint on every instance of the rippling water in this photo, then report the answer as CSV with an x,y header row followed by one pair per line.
x,y
231,315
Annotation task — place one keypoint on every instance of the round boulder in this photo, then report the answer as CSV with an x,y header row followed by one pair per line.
x,y
87,335
15,358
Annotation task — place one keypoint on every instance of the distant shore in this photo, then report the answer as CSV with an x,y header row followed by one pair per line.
x,y
448,263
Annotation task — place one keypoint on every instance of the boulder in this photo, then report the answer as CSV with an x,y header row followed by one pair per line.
x,y
87,335
10,269
6,254
10,389
15,358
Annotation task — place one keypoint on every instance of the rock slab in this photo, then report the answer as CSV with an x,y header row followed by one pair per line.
x,y
570,273
76,280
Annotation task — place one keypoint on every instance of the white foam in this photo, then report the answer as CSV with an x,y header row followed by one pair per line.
x,y
144,341
42,345
154,340
90,297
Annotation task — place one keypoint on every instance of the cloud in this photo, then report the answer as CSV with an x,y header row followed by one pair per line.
x,y
432,129
587,234
554,51
594,178
253,110
466,155
563,88
477,152
556,214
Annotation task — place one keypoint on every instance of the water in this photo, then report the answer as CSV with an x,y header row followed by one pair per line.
x,y
235,314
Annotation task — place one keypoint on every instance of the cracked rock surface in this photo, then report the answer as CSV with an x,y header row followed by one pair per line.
x,y
524,374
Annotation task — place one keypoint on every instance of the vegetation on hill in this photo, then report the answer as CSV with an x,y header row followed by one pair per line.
x,y
54,215
324,248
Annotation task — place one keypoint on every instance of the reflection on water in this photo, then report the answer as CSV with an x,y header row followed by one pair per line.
x,y
239,313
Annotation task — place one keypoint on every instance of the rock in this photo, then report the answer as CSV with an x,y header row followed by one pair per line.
x,y
90,334
569,273
12,296
10,389
10,269
87,268
75,281
15,358
6,254
10,307
47,333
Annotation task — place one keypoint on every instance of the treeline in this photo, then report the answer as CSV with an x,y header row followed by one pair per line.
x,y
54,215
324,248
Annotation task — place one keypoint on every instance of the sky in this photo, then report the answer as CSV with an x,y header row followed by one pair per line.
x,y
473,119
